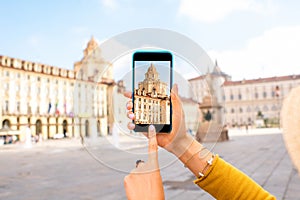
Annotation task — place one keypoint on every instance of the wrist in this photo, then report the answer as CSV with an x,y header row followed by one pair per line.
x,y
190,151
178,149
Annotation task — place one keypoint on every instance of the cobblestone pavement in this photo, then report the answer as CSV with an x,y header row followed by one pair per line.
x,y
63,169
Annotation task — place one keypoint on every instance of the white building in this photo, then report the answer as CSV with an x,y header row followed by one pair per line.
x,y
53,100
245,101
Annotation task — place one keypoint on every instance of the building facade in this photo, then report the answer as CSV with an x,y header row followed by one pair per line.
x,y
53,100
152,103
245,102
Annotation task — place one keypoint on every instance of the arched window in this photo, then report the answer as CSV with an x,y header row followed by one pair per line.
x,y
6,123
38,127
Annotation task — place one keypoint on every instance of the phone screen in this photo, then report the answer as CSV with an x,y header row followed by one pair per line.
x,y
152,82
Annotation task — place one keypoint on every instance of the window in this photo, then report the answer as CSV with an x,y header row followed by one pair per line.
x,y
257,108
241,110
6,106
18,106
232,110
231,97
38,78
273,94
256,95
7,73
6,86
265,94
240,97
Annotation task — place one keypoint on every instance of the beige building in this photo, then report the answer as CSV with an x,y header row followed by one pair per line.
x,y
248,100
245,102
53,100
152,103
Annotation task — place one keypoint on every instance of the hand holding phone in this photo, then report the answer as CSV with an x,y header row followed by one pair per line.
x,y
152,80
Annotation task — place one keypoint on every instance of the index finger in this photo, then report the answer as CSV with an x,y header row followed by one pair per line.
x,y
152,149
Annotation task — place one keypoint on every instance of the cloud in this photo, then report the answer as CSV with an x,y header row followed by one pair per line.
x,y
216,10
274,53
111,4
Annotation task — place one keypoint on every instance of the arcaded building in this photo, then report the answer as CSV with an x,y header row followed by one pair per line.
x,y
53,100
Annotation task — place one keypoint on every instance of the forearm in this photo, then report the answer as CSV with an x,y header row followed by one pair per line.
x,y
195,157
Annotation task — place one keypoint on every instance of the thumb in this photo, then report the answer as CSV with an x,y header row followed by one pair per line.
x,y
174,96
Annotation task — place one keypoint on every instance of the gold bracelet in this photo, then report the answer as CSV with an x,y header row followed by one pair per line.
x,y
185,165
208,164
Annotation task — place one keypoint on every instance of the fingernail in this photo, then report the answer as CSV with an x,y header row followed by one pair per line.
x,y
131,126
131,115
151,127
151,130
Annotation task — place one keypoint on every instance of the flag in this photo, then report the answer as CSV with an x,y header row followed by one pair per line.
x,y
56,108
49,107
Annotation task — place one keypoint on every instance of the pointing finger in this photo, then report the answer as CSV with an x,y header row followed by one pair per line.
x,y
152,149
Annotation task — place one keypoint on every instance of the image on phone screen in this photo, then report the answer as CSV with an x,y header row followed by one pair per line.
x,y
152,81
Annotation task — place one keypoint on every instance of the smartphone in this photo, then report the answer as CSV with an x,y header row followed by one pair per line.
x,y
152,81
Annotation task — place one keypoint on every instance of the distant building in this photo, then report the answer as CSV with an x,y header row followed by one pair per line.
x,y
53,100
200,85
248,100
245,101
152,103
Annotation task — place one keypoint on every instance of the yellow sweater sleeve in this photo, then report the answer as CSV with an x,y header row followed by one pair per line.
x,y
223,181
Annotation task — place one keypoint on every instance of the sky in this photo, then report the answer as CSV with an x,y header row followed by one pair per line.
x,y
248,38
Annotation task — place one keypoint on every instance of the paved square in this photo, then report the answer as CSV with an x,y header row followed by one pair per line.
x,y
62,169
